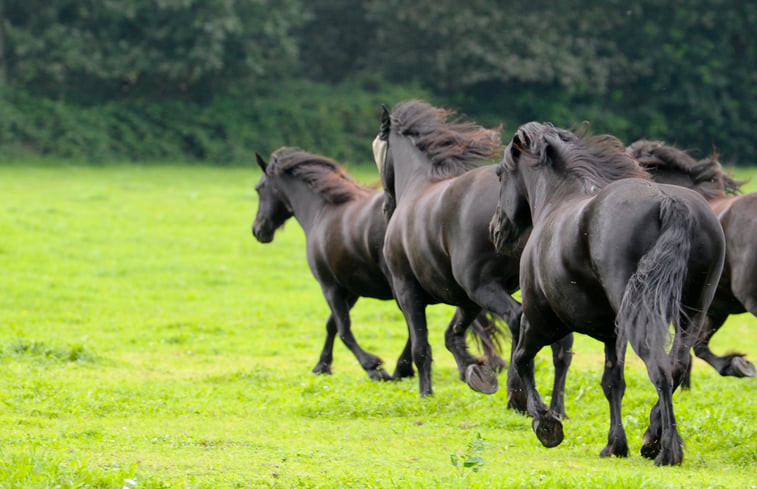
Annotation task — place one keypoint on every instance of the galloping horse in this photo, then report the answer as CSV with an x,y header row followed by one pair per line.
x,y
611,255
437,242
737,290
344,229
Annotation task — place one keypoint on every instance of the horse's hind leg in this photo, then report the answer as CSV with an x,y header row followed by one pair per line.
x,y
327,354
340,305
661,440
479,376
614,386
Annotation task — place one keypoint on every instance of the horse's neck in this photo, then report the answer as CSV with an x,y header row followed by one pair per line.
x,y
548,194
412,170
306,205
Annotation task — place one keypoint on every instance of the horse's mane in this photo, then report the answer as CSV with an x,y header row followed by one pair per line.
x,y
452,147
325,176
707,175
595,160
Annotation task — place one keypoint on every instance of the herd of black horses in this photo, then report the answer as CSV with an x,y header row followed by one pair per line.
x,y
640,244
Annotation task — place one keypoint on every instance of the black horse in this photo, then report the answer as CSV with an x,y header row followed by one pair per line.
x,y
344,229
437,242
737,290
611,255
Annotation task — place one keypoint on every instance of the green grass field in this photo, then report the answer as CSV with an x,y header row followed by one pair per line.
x,y
148,341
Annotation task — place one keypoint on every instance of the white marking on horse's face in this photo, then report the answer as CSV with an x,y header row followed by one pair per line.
x,y
379,153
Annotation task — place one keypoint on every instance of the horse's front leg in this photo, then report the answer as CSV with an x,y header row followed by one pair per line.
x,y
487,331
479,376
341,304
404,366
410,299
546,423
733,364
497,299
614,386
562,354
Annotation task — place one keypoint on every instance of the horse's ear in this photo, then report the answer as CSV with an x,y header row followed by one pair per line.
x,y
385,123
384,113
517,146
261,162
550,151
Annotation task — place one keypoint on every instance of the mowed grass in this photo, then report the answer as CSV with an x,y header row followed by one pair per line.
x,y
148,341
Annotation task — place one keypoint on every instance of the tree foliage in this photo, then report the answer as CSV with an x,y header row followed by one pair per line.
x,y
683,71
105,49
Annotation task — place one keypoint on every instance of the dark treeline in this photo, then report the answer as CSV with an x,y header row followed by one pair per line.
x,y
217,79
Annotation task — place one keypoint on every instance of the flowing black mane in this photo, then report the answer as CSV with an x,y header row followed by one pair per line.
x,y
452,147
707,175
596,160
323,175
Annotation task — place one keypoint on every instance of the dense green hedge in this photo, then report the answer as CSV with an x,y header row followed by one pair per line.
x,y
338,121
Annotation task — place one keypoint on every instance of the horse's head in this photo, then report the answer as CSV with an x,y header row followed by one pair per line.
x,y
273,208
512,218
385,163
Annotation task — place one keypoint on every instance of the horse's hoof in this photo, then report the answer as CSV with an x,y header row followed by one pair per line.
x,y
741,367
669,457
403,373
322,369
516,400
650,448
615,449
379,374
548,429
481,378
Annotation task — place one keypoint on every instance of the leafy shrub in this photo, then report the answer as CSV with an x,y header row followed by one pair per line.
x,y
336,121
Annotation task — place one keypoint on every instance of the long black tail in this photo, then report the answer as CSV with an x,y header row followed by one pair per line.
x,y
652,298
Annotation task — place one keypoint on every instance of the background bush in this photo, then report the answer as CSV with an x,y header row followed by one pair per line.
x,y
339,121
203,79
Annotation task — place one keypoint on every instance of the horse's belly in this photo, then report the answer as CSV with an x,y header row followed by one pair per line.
x,y
438,282
364,280
584,309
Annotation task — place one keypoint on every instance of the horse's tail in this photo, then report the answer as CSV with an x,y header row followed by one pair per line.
x,y
652,298
488,334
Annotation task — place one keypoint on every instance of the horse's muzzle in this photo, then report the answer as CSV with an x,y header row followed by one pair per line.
x,y
262,235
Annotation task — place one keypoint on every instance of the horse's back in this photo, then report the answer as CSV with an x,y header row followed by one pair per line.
x,y
346,250
413,248
587,252
468,206
629,214
442,235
